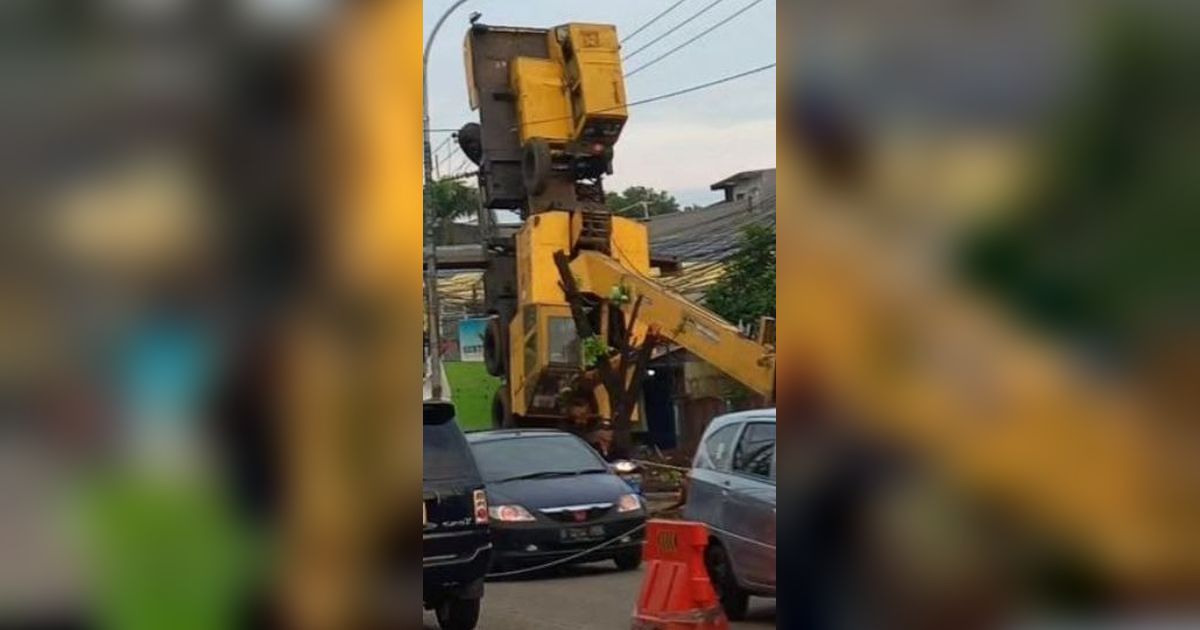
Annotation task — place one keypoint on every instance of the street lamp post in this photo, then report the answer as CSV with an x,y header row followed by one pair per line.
x,y
433,310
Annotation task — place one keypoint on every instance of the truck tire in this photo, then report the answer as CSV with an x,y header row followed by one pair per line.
x,y
535,166
493,348
501,408
454,613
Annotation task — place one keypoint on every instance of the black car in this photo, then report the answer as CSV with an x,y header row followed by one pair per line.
x,y
456,545
552,496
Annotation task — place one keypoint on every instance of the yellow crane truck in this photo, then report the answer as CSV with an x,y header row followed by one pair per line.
x,y
552,106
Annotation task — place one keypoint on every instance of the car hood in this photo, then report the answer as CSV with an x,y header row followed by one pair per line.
x,y
536,494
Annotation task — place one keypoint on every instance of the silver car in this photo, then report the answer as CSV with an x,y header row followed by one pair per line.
x,y
731,488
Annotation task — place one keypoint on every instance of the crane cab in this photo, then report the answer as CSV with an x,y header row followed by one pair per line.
x,y
540,355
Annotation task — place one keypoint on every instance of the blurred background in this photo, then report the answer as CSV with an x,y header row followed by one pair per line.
x,y
200,331
991,290
991,287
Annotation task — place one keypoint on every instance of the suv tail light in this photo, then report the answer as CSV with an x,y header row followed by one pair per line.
x,y
481,508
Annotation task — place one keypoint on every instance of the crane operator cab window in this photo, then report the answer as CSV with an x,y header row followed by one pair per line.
x,y
564,343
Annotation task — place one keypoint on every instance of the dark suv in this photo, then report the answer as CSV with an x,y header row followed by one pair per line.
x,y
456,546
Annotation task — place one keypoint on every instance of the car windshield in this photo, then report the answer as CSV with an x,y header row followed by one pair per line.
x,y
533,457
446,455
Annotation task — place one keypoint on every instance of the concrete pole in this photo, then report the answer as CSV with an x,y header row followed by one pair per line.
x,y
432,306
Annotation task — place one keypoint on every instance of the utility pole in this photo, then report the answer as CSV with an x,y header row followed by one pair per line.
x,y
432,307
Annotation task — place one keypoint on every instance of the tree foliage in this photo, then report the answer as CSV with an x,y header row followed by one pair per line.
x,y
452,200
747,290
658,202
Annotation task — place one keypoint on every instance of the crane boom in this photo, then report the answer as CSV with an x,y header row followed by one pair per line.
x,y
684,322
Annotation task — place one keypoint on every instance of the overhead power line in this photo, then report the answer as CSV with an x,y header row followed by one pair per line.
x,y
437,158
663,97
443,143
673,29
652,21
461,166
694,39
459,175
702,86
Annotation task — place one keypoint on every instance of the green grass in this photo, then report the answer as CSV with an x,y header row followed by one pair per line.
x,y
471,389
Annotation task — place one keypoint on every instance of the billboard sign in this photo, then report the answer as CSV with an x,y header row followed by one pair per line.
x,y
470,339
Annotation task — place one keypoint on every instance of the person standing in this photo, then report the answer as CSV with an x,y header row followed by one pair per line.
x,y
579,418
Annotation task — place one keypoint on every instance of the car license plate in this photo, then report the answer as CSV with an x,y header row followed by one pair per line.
x,y
595,532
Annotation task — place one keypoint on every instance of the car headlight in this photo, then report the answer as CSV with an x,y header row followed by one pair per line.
x,y
624,467
510,514
629,503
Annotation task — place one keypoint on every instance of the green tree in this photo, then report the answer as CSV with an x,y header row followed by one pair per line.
x,y
658,202
452,200
747,290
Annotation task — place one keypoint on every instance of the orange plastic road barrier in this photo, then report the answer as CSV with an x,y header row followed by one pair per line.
x,y
676,592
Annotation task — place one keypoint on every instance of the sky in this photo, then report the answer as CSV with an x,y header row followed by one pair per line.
x,y
682,145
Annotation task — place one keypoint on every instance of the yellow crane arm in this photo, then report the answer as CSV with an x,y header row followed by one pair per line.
x,y
700,331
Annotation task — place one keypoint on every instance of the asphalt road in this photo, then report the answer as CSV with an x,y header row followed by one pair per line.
x,y
584,597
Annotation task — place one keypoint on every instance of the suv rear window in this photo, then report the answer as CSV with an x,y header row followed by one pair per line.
x,y
446,455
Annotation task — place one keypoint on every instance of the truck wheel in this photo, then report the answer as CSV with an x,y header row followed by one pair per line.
x,y
535,166
493,348
501,408
458,614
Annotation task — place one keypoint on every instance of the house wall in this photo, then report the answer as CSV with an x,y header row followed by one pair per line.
x,y
760,186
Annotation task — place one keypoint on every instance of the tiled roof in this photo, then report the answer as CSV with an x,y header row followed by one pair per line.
x,y
710,234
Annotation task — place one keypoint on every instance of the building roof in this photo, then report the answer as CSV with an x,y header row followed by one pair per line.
x,y
709,234
739,178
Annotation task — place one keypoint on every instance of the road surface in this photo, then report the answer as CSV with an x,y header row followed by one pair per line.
x,y
585,597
